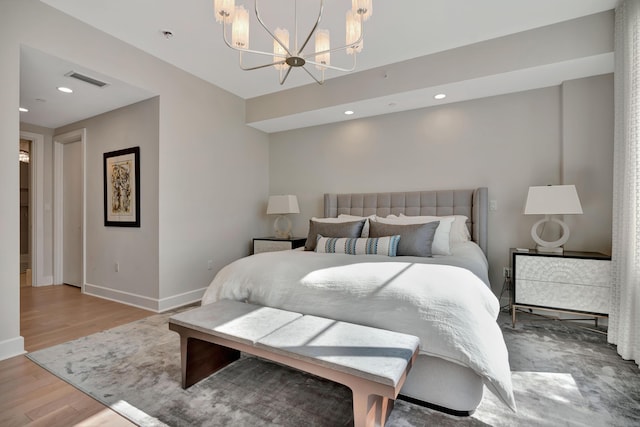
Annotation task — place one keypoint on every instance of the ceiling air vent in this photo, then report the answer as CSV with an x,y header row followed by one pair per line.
x,y
86,79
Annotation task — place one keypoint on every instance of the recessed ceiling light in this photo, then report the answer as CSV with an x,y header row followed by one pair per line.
x,y
348,112
440,96
65,89
23,110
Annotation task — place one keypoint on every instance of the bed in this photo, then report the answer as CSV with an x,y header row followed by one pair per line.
x,y
444,299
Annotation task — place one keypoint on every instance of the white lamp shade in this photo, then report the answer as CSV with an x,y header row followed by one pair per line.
x,y
279,205
553,200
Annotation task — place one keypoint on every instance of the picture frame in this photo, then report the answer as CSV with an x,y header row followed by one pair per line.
x,y
122,188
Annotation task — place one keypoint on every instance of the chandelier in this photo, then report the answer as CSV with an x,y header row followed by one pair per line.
x,y
23,156
285,57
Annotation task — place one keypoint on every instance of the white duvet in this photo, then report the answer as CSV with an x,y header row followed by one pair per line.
x,y
448,307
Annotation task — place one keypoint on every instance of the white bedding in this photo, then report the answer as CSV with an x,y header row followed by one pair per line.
x,y
447,306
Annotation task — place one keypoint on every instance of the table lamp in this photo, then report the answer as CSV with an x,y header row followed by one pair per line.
x,y
282,206
550,200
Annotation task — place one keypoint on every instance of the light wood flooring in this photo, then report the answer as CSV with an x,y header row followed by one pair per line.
x,y
30,395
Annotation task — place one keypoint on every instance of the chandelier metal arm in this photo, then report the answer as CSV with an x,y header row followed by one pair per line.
x,y
284,79
339,48
239,49
313,30
320,82
332,67
259,18
257,67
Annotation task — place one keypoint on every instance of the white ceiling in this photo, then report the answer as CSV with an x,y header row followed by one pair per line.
x,y
40,76
392,35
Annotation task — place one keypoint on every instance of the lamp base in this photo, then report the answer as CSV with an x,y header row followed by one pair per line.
x,y
279,232
557,250
550,247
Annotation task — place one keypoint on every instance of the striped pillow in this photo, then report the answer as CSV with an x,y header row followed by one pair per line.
x,y
387,245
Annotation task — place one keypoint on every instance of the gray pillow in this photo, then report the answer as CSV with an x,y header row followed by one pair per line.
x,y
415,239
332,229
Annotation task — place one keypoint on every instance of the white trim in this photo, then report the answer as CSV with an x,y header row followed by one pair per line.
x,y
11,347
79,135
180,300
37,206
141,301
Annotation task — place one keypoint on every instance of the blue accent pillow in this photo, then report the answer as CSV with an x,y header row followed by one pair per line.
x,y
387,245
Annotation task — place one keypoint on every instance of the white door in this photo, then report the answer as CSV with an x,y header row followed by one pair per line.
x,y
72,214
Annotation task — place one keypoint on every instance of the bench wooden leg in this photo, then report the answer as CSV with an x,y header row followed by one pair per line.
x,y
199,359
370,410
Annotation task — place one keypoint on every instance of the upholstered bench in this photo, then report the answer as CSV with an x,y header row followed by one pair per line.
x,y
372,362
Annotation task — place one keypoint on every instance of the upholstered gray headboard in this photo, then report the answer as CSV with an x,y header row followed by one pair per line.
x,y
471,203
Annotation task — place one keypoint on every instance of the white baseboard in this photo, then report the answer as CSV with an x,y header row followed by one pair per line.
x,y
45,281
140,301
11,347
180,300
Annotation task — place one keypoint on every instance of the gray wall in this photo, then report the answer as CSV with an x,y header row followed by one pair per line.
x,y
134,249
587,161
506,143
212,169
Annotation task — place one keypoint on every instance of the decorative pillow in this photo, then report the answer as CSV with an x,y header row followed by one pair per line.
x,y
365,229
415,239
440,240
331,229
459,230
387,245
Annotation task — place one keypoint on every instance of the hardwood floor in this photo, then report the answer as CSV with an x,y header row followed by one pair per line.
x,y
30,395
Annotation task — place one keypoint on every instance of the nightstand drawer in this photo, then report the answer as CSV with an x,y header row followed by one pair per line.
x,y
266,244
588,298
570,282
563,270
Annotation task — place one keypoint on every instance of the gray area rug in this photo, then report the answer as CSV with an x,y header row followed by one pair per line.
x,y
563,376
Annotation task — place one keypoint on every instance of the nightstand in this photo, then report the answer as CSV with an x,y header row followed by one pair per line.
x,y
272,244
572,282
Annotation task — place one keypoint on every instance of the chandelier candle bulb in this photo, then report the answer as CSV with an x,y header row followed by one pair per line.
x,y
240,28
224,10
323,46
364,8
354,39
279,52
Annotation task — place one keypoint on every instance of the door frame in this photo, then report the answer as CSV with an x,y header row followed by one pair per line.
x,y
36,196
80,136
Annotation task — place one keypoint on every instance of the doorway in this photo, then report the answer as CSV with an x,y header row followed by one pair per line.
x,y
69,209
25,212
32,234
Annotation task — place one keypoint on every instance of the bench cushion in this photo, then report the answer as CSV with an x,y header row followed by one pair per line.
x,y
234,320
375,354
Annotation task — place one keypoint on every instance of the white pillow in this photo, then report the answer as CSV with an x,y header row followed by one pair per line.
x,y
333,220
459,230
440,239
365,229
387,245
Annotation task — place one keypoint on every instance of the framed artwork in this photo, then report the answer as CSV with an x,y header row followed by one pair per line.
x,y
122,188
